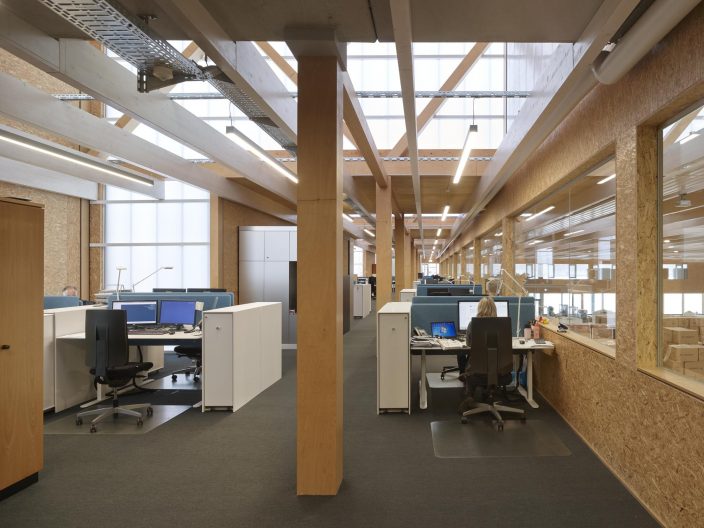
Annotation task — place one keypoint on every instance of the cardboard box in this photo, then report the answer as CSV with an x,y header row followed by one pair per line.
x,y
682,353
675,366
694,374
684,336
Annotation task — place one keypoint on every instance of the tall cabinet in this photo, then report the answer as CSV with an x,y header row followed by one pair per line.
x,y
21,351
267,271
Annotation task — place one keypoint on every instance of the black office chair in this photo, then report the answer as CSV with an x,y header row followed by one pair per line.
x,y
491,363
195,353
106,336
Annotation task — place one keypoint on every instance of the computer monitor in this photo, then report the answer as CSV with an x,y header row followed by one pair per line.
x,y
177,312
468,310
138,312
206,290
446,329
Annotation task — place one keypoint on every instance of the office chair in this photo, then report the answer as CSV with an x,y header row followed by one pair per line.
x,y
491,363
106,336
194,352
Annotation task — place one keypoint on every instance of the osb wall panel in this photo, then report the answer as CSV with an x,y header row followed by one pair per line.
x,y
665,82
234,216
62,235
647,432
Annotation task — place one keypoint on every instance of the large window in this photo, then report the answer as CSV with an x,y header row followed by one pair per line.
x,y
143,235
566,252
682,249
358,263
491,253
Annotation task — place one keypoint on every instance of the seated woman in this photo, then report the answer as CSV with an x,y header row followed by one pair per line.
x,y
486,308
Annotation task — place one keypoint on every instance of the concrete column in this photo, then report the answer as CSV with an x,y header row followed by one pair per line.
x,y
320,269
400,245
384,227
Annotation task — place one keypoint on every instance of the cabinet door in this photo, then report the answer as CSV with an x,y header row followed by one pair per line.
x,y
21,351
251,245
393,361
293,246
276,246
276,290
251,281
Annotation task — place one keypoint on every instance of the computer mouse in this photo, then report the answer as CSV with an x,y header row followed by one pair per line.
x,y
522,341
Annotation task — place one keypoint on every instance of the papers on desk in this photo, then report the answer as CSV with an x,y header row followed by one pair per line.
x,y
424,342
450,343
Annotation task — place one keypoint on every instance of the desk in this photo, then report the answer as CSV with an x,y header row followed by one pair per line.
x,y
73,380
526,348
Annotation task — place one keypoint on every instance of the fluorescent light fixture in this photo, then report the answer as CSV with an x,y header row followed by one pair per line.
x,y
534,242
370,233
574,232
472,248
666,241
499,233
675,251
536,215
468,144
526,215
690,137
36,146
257,151
444,213
347,217
608,178
438,231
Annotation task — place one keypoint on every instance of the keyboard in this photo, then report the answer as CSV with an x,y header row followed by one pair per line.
x,y
139,331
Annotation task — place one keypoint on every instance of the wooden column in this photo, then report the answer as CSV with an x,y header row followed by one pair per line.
x,y
384,226
407,261
320,270
507,246
216,243
477,261
463,263
400,245
637,248
368,261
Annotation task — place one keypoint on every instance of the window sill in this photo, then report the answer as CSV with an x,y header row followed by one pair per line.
x,y
679,381
584,341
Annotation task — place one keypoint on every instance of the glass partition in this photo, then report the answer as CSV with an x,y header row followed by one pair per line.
x,y
565,253
682,246
491,253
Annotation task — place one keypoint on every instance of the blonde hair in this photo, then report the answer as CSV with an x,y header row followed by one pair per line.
x,y
486,308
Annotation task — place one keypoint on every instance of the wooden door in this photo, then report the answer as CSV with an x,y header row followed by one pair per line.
x,y
21,310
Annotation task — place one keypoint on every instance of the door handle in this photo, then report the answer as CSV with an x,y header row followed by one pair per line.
x,y
5,347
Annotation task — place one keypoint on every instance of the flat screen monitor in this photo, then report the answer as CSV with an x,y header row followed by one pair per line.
x,y
138,312
443,329
206,290
468,309
177,312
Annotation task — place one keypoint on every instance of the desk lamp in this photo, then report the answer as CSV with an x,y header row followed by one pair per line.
x,y
120,269
152,273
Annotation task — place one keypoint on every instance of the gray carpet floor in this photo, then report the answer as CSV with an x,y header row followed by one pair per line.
x,y
222,469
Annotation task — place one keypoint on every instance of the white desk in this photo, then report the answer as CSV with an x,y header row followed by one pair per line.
x,y
73,382
528,347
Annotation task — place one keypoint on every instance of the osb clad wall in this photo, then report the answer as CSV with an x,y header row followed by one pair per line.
x,y
233,216
62,235
649,433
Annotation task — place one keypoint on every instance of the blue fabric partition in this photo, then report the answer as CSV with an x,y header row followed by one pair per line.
x,y
454,289
61,301
426,310
211,300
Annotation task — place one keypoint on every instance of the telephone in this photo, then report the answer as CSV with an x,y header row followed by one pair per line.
x,y
418,331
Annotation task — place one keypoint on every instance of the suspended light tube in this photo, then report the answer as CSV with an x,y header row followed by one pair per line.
x,y
468,144
28,144
444,213
608,178
370,233
536,215
257,151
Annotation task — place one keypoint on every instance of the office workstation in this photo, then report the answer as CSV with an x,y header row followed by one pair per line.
x,y
229,225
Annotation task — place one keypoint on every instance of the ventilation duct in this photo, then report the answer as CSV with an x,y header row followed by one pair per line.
x,y
158,63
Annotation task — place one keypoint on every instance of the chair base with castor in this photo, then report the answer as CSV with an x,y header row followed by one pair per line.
x,y
194,353
116,410
494,408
